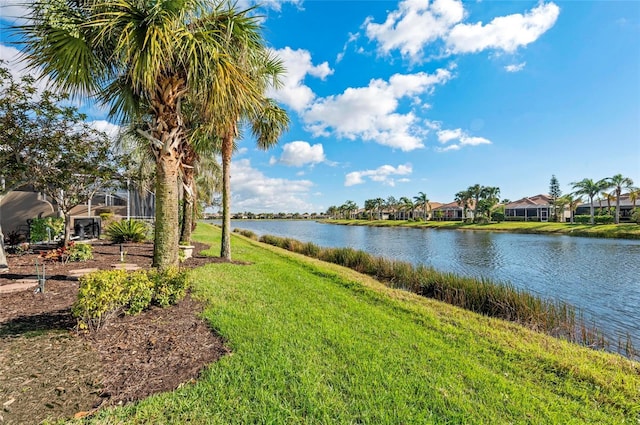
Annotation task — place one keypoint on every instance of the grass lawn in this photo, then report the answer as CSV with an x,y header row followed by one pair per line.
x,y
317,343
625,230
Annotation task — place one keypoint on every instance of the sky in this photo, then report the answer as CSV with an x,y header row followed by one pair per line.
x,y
393,98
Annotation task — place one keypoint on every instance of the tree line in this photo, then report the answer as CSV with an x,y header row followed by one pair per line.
x,y
483,203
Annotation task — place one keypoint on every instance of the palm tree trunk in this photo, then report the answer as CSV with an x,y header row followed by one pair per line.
x,y
4,266
617,206
187,212
165,248
592,211
168,130
227,148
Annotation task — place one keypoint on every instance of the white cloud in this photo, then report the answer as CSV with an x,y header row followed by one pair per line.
x,y
112,130
381,174
445,136
417,24
449,148
370,113
251,190
474,141
294,93
516,67
505,32
299,153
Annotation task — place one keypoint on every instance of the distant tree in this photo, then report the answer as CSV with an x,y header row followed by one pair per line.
x,y
391,204
618,183
463,198
554,194
489,198
369,207
404,205
379,202
590,189
423,200
349,208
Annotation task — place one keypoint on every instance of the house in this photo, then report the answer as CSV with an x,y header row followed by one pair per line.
x,y
532,208
627,205
23,204
448,212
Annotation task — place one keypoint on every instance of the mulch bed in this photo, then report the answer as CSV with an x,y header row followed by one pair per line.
x,y
50,371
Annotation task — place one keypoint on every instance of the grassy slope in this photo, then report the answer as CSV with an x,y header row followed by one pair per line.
x,y
625,231
317,343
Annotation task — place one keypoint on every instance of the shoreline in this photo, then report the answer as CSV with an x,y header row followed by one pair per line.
x,y
609,231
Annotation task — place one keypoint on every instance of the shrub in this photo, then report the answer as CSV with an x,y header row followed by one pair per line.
x,y
603,219
582,219
246,233
100,296
497,216
79,252
138,292
127,231
635,217
41,229
169,286
107,293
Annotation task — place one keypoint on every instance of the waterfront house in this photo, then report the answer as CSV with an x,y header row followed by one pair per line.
x,y
531,208
448,212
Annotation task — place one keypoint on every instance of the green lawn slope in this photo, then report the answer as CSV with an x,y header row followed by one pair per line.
x,y
315,343
623,231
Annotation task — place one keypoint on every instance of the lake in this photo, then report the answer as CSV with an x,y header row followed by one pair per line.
x,y
599,276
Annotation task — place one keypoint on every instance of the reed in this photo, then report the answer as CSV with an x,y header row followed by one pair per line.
x,y
484,296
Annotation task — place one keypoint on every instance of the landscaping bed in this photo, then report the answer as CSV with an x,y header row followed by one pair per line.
x,y
49,371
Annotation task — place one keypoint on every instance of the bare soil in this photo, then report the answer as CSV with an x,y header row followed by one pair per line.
x,y
49,371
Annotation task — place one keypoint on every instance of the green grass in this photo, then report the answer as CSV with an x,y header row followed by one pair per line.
x,y
316,343
624,231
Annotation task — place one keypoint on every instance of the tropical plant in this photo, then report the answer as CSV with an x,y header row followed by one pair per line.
x,y
422,199
463,199
404,205
379,204
590,189
572,202
127,231
618,183
145,59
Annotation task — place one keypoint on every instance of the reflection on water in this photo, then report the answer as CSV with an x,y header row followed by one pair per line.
x,y
600,276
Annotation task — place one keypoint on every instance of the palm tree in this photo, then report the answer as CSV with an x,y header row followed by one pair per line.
x,y
590,189
618,183
379,203
145,59
267,120
572,202
463,198
392,204
404,205
424,201
490,195
369,206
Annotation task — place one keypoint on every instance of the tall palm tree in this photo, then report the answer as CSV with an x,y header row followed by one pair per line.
x,y
422,199
379,203
463,198
405,204
144,59
267,121
590,189
491,196
618,183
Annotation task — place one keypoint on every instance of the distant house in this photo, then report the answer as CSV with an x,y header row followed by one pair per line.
x,y
448,212
532,208
602,206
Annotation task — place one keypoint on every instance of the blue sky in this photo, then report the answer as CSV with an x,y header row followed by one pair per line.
x,y
394,98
